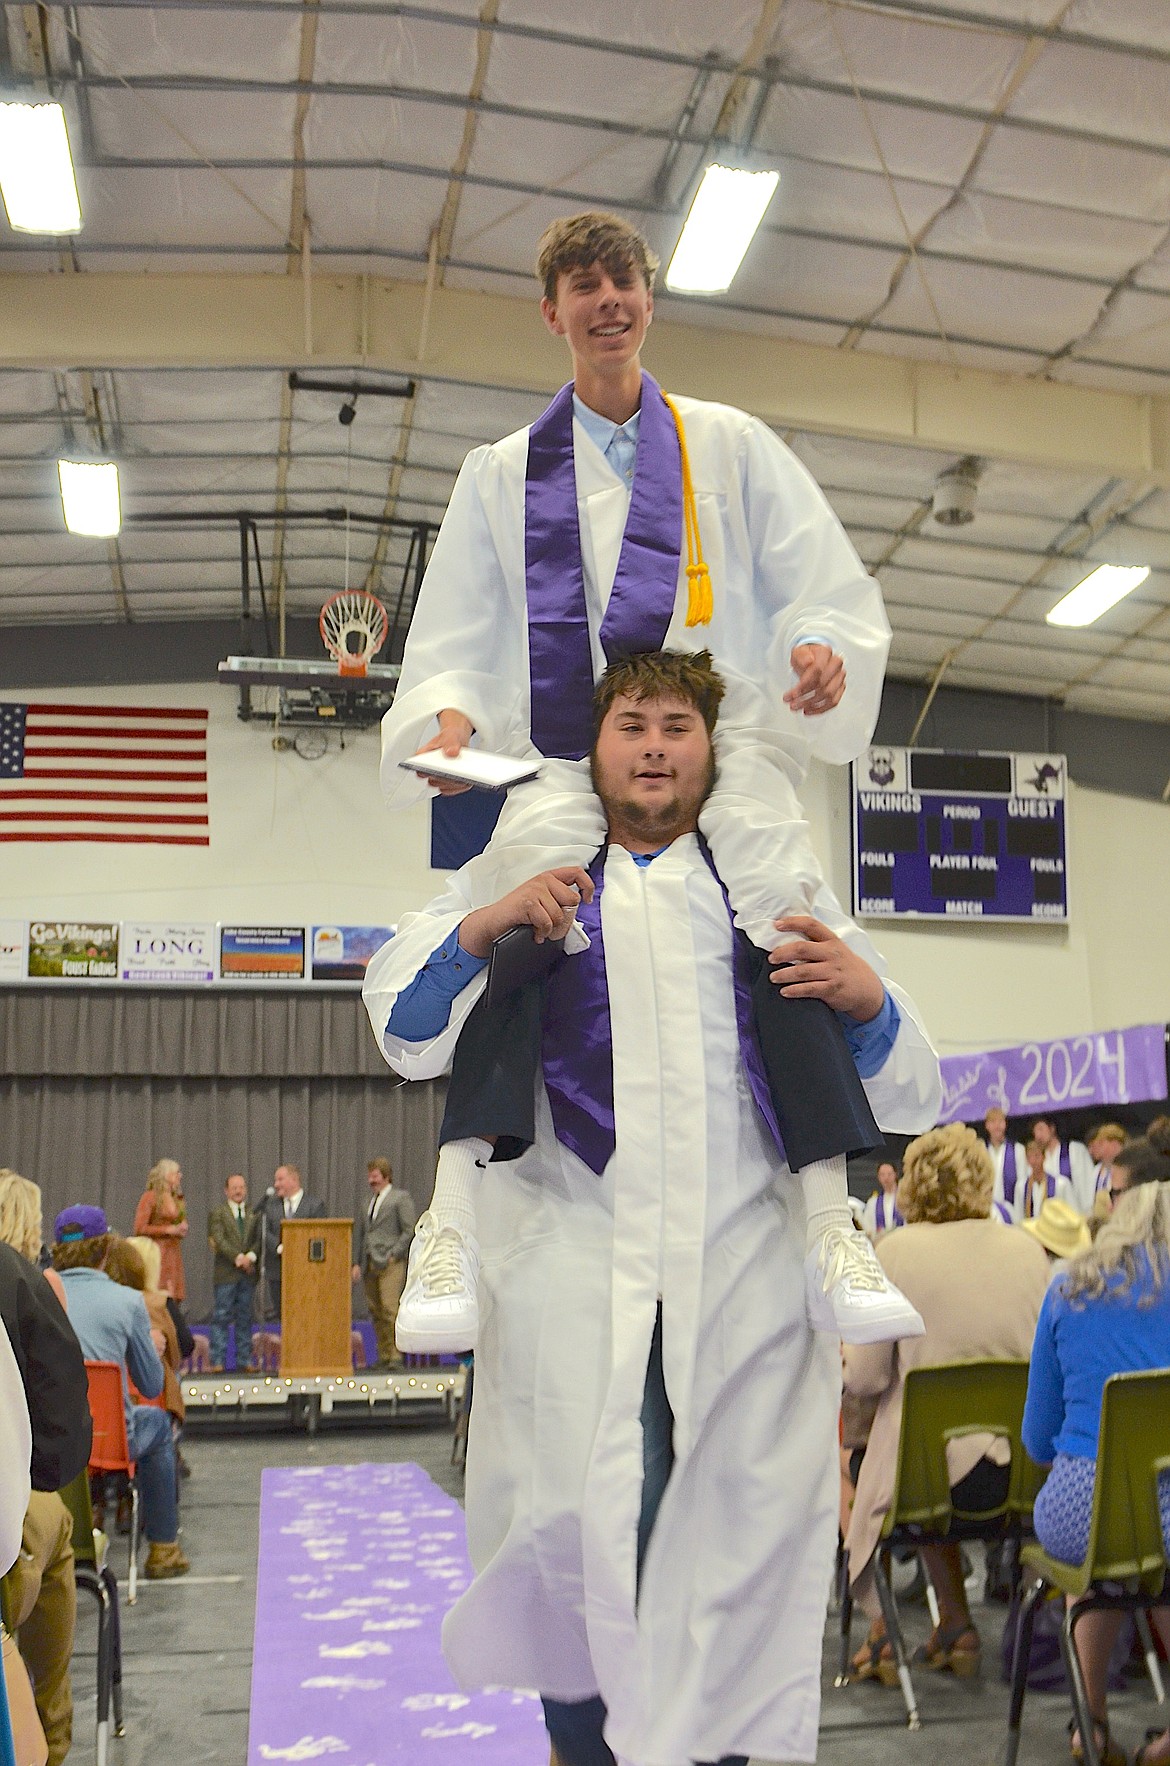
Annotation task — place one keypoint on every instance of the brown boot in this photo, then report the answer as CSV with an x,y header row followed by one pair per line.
x,y
165,1561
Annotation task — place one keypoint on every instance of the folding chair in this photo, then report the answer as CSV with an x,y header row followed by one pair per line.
x,y
1125,1567
942,1404
111,1447
93,1573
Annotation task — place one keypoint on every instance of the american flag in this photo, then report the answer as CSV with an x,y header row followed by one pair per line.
x,y
111,773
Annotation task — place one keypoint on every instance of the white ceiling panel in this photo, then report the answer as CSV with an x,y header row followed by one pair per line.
x,y
840,199
187,125
1078,87
684,29
1077,174
183,208
342,127
1032,234
916,144
161,40
906,55
995,306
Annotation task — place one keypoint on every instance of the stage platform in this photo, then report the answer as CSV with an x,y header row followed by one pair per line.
x,y
309,1403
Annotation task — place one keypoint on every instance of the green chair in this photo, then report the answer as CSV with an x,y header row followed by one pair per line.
x,y
93,1573
1125,1568
943,1404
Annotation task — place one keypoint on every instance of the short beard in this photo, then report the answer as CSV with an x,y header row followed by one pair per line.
x,y
663,823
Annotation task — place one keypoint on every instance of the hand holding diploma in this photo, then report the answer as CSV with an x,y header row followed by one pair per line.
x,y
548,903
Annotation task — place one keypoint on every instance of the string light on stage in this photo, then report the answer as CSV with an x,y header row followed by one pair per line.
x,y
36,169
728,207
1101,590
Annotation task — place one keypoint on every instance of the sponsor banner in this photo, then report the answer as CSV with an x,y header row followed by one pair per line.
x,y
341,953
72,950
1070,1073
262,953
13,940
155,952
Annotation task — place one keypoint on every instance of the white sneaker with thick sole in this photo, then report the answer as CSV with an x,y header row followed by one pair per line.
x,y
849,1293
439,1311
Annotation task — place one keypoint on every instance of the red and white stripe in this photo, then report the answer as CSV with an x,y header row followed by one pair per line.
x,y
110,773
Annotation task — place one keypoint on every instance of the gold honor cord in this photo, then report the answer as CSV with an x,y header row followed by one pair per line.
x,y
700,601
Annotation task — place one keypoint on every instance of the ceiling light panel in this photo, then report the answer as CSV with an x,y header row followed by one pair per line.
x,y
728,208
1101,590
36,169
90,497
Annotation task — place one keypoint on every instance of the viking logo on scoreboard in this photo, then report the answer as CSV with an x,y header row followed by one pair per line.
x,y
959,835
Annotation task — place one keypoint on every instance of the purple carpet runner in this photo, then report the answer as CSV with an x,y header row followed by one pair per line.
x,y
358,1566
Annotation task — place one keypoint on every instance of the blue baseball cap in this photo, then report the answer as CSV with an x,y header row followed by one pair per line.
x,y
80,1222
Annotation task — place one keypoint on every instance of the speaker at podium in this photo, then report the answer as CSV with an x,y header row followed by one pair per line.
x,y
315,1308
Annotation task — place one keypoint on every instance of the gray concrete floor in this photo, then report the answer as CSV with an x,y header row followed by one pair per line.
x,y
188,1644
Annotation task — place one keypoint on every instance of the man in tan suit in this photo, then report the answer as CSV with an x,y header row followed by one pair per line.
x,y
381,1239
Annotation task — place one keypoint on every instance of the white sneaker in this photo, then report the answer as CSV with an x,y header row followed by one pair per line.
x,y
849,1293
439,1312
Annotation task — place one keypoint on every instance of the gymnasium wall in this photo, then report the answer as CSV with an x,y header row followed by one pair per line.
x,y
295,840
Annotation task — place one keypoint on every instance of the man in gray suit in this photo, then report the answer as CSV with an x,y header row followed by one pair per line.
x,y
381,1239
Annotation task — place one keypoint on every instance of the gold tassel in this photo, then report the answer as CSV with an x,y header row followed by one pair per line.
x,y
700,599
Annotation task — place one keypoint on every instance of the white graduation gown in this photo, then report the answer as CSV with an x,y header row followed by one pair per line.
x,y
782,571
721,1653
1084,1173
998,1155
15,1455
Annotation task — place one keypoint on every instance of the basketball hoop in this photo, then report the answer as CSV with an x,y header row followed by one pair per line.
x,y
353,629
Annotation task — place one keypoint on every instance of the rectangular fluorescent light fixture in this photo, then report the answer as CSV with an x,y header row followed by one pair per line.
x,y
89,497
1108,584
728,207
36,169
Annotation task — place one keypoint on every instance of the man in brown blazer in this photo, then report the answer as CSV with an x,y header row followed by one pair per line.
x,y
234,1234
381,1239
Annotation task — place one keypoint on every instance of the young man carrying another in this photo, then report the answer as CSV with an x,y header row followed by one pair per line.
x,y
563,549
652,1469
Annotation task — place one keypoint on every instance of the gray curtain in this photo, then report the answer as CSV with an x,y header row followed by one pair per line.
x,y
97,1086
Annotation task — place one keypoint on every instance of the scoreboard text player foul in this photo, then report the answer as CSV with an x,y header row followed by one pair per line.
x,y
963,836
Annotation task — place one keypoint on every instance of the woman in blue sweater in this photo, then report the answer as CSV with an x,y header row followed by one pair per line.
x,y
1108,1313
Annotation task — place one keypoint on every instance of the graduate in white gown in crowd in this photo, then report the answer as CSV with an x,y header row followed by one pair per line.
x,y
1041,1185
651,1469
563,547
1068,1161
882,1213
1008,1163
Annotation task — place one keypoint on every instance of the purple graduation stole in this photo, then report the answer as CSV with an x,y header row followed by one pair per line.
x,y
896,1216
1065,1160
560,657
1004,1212
1103,1179
1011,1175
1030,1209
577,1040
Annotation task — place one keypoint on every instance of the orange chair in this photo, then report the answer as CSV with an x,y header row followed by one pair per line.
x,y
111,1448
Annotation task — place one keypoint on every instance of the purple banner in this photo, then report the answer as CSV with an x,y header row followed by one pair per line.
x,y
358,1567
1110,1067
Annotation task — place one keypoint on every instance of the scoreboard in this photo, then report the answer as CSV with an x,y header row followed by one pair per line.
x,y
959,835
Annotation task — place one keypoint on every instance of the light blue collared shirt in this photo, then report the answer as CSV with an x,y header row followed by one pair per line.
x,y
617,441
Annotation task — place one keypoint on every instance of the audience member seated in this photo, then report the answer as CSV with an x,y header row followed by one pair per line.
x,y
1108,1313
1041,1185
161,1215
1140,1161
134,1263
1069,1160
112,1324
882,1213
978,1288
41,1588
1060,1229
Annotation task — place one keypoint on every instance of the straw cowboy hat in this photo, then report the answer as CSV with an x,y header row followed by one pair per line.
x,y
1060,1229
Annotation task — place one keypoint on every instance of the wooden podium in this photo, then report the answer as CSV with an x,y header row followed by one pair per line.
x,y
315,1310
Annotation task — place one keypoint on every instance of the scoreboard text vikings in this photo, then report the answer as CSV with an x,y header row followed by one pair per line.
x,y
961,836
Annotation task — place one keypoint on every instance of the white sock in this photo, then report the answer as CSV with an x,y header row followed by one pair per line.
x,y
457,1178
826,1198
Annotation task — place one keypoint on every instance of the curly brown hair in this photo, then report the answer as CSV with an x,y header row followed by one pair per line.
x,y
662,674
83,1253
573,242
947,1174
124,1265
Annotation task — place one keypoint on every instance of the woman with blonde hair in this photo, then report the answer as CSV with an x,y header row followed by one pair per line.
x,y
1108,1313
161,1215
22,1223
978,1288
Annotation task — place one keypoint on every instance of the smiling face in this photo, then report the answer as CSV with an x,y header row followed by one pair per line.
x,y
603,314
236,1189
995,1122
653,766
1034,1153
